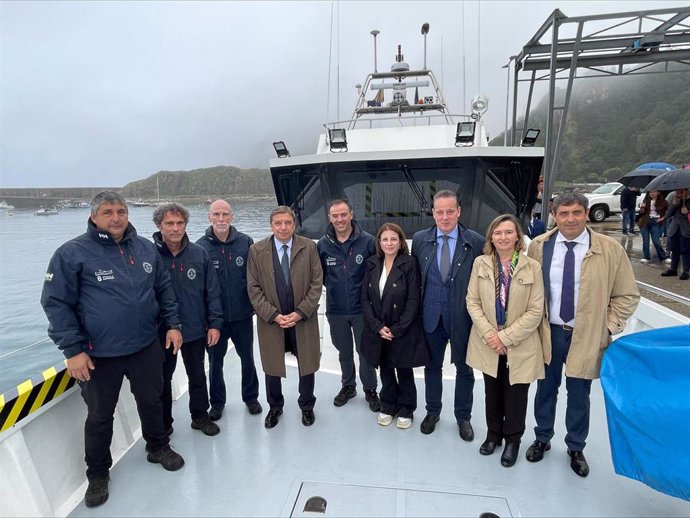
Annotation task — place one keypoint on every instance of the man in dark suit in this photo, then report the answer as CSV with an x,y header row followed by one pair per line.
x,y
535,227
445,253
284,279
590,293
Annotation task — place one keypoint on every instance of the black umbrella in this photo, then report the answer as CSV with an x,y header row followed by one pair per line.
x,y
640,177
670,181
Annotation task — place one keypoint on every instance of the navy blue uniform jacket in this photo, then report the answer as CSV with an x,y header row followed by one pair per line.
x,y
105,298
196,288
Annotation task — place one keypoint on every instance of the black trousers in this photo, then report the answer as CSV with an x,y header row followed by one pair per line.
x,y
193,358
506,405
144,370
274,392
398,393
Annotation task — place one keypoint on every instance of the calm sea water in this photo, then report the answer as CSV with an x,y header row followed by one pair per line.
x,y
27,243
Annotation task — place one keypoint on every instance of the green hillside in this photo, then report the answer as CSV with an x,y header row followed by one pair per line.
x,y
211,182
617,123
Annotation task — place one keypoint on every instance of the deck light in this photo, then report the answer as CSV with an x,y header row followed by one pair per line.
x,y
480,104
464,135
338,140
281,150
530,137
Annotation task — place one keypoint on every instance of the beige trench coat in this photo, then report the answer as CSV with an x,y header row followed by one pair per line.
x,y
526,355
306,276
608,296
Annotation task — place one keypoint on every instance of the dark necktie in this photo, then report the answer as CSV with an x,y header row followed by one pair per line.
x,y
445,258
568,287
285,264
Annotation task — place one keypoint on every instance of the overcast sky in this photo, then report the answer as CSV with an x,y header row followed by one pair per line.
x,y
103,93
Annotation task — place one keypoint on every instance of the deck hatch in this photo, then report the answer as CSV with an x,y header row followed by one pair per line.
x,y
361,500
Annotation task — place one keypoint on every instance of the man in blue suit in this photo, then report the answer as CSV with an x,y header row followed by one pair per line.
x,y
445,253
535,227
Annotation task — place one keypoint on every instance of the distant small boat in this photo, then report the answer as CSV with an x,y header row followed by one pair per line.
x,y
46,212
5,206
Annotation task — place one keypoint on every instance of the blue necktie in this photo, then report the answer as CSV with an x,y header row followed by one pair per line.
x,y
285,264
445,258
568,287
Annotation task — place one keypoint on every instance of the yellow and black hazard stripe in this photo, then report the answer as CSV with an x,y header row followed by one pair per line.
x,y
33,394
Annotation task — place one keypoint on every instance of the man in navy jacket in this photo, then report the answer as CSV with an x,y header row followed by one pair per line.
x,y
444,310
229,249
103,294
344,251
197,290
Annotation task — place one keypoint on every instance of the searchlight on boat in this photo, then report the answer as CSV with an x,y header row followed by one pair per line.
x,y
281,149
464,135
530,137
338,140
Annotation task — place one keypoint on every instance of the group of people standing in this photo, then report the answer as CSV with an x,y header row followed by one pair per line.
x,y
661,216
119,305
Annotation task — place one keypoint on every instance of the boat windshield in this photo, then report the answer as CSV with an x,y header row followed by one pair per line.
x,y
401,192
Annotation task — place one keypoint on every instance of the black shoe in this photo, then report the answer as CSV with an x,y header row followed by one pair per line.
x,y
669,273
254,407
684,276
206,426
97,492
166,457
308,417
373,399
429,424
536,451
489,446
216,413
272,417
466,431
578,463
346,393
510,453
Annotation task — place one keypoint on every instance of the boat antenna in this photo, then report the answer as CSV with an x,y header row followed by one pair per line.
x,y
425,31
479,46
330,58
464,98
375,33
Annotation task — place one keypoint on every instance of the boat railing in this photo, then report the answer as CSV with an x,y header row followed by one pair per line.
x,y
417,120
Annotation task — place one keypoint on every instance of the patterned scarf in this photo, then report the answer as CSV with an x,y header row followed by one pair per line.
x,y
503,288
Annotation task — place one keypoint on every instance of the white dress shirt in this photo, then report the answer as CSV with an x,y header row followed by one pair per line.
x,y
556,274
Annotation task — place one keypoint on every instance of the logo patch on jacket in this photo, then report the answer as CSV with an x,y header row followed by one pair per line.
x,y
330,261
359,259
239,261
147,267
191,274
104,275
49,277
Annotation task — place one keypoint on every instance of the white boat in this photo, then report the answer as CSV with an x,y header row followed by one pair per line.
x,y
402,145
5,206
346,464
46,212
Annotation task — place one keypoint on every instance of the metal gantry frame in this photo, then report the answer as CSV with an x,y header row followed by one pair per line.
x,y
618,44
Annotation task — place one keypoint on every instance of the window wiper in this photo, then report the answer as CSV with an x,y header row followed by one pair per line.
x,y
414,187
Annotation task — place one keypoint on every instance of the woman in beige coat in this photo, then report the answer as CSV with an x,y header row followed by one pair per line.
x,y
505,299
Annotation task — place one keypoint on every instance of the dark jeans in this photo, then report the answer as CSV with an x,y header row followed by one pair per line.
x,y
342,328
577,409
679,246
241,332
433,377
274,392
144,370
398,394
628,220
193,359
652,229
506,405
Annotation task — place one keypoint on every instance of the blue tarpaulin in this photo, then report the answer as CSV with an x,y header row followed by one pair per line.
x,y
646,381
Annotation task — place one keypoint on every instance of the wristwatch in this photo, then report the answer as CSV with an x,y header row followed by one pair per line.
x,y
176,327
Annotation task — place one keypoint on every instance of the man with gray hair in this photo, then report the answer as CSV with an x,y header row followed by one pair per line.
x,y
577,261
197,290
105,294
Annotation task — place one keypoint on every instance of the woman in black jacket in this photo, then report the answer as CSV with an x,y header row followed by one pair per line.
x,y
393,338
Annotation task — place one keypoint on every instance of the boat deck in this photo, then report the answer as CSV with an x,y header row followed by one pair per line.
x,y
363,469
